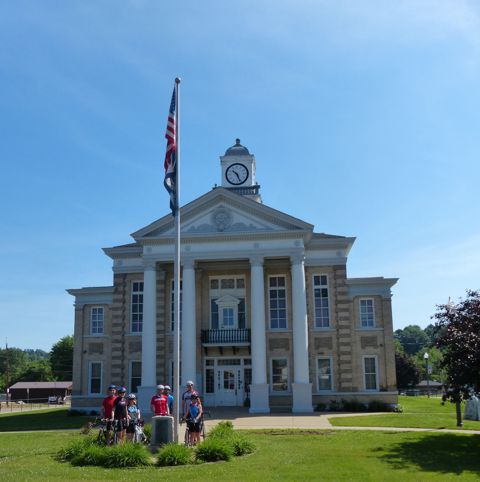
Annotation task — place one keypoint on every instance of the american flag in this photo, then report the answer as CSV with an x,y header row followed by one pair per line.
x,y
170,181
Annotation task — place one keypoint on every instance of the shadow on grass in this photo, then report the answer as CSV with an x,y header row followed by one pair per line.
x,y
444,453
41,420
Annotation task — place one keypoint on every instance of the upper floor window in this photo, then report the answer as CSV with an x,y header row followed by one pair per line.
x,y
227,303
277,302
367,313
136,324
320,301
96,320
172,304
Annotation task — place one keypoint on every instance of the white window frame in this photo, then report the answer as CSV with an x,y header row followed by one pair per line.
x,y
374,321
284,276
320,286
323,390
216,294
376,389
272,391
97,332
130,374
90,363
131,305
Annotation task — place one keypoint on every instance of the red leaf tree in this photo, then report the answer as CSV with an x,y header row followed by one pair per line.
x,y
458,336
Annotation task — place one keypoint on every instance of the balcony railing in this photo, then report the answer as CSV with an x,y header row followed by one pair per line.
x,y
240,336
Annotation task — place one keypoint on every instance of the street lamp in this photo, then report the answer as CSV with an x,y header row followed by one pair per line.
x,y
425,357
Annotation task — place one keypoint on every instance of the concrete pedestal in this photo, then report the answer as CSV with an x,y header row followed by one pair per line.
x,y
162,431
259,398
302,398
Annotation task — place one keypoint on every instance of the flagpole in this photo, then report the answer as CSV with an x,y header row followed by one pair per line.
x,y
176,267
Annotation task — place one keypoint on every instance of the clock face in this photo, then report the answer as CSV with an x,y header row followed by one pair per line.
x,y
236,174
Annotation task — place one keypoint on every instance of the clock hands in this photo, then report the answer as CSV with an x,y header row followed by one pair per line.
x,y
236,174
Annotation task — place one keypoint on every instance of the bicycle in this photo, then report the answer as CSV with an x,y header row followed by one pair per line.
x,y
139,436
188,442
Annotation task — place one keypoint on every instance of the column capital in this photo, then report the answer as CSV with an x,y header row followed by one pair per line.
x,y
149,264
256,260
187,262
297,258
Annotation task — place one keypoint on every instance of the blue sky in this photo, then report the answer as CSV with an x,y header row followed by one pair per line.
x,y
365,112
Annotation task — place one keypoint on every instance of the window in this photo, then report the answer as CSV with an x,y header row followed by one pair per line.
x,y
136,324
367,313
279,375
172,304
227,303
95,378
320,301
209,380
135,375
370,371
96,321
324,373
277,302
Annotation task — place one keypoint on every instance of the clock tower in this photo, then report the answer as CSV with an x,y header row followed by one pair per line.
x,y
238,171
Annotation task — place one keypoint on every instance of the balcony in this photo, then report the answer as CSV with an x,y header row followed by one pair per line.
x,y
234,337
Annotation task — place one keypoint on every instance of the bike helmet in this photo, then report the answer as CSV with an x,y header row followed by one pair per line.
x,y
193,396
190,383
112,387
160,387
167,387
132,396
121,389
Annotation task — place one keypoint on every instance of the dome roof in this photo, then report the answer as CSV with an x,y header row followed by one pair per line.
x,y
237,150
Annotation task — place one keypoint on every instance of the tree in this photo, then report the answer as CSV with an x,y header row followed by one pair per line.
x,y
412,338
61,358
37,371
13,363
458,331
408,373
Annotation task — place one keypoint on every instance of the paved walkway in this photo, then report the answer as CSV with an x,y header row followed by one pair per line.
x,y
241,419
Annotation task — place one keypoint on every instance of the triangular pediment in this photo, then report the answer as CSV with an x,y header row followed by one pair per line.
x,y
223,212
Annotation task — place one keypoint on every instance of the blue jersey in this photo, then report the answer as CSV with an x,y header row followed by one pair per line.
x,y
194,410
170,403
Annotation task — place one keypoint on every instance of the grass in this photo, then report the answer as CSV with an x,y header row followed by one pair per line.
x,y
418,412
45,419
280,455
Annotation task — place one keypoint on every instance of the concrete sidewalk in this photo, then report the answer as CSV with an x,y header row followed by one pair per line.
x,y
241,419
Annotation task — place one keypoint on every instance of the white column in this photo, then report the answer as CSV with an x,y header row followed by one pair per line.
x,y
301,388
149,337
189,326
259,387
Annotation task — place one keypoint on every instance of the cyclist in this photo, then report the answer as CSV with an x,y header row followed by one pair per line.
x,y
134,416
106,410
169,395
159,403
194,419
120,413
186,397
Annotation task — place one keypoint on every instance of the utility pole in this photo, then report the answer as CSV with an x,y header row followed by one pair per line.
x,y
7,369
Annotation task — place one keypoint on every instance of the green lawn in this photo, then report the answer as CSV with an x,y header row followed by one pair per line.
x,y
45,419
421,412
281,455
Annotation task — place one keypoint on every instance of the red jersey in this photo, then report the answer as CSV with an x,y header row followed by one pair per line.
x,y
107,405
160,404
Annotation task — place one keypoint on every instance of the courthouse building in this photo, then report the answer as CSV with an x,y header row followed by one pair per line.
x,y
269,319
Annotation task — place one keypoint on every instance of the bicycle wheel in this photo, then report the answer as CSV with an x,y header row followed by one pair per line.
x,y
188,442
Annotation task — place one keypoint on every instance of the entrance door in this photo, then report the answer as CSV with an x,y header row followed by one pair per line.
x,y
227,386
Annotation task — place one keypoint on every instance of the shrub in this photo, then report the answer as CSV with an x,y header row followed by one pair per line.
x,y
213,450
91,455
173,454
242,446
379,406
75,413
74,449
353,406
335,406
222,430
126,455
321,407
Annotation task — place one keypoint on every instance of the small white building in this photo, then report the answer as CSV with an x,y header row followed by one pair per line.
x,y
269,317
